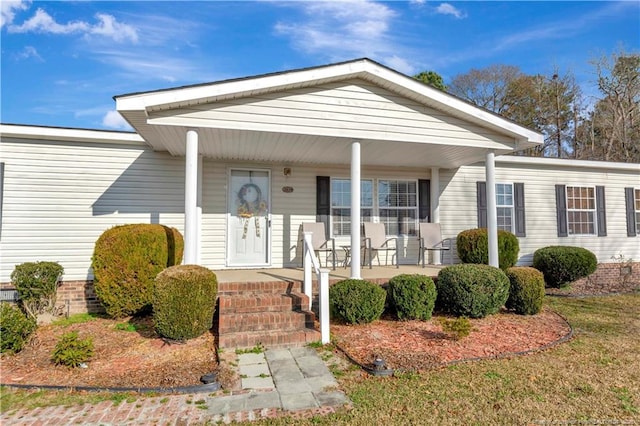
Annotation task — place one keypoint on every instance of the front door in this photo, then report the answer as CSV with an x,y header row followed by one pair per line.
x,y
248,219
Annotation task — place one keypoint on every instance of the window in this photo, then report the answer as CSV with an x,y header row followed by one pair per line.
x,y
398,206
581,210
341,205
637,204
504,205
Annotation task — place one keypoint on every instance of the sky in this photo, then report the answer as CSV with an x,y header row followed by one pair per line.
x,y
63,61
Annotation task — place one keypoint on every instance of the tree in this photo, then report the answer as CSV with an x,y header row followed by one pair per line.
x,y
431,78
613,130
486,87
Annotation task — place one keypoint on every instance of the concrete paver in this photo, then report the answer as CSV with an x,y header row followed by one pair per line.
x,y
278,379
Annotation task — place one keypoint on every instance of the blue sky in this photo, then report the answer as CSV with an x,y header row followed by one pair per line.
x,y
63,61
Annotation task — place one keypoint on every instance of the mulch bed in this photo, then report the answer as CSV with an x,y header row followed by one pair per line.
x,y
421,345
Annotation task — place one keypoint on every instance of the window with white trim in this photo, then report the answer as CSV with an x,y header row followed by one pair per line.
x,y
398,206
504,205
581,210
341,205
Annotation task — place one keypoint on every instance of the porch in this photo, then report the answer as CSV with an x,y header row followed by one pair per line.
x,y
269,307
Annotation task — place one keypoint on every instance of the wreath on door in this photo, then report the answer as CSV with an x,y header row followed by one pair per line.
x,y
250,204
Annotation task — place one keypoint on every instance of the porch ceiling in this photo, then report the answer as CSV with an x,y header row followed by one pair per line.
x,y
253,146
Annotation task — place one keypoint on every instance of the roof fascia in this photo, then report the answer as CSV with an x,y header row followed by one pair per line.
x,y
566,162
68,134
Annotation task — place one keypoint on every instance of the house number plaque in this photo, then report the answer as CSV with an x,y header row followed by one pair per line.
x,y
287,189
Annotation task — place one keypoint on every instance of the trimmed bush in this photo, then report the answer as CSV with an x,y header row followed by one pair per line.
x,y
184,300
562,265
526,291
473,247
412,296
37,285
125,262
71,350
15,328
455,328
473,291
356,301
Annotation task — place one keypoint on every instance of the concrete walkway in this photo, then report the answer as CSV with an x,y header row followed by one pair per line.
x,y
279,381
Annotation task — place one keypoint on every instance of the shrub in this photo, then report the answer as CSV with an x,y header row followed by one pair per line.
x,y
456,328
356,301
37,285
562,265
15,328
473,291
125,262
184,300
71,350
526,291
473,247
413,296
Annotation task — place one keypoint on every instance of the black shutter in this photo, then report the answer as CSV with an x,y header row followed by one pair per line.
x,y
424,200
323,201
481,192
561,210
601,212
629,201
518,207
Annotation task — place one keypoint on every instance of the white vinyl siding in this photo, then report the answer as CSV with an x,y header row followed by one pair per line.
x,y
458,209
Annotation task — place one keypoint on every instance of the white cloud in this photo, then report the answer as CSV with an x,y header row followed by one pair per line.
x,y
448,9
418,2
8,9
29,52
400,64
107,26
343,30
113,120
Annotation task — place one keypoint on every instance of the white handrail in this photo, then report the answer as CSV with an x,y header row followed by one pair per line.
x,y
311,260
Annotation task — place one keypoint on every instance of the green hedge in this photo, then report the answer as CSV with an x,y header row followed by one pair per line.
x,y
472,290
412,296
356,301
526,293
473,247
184,300
37,285
15,328
562,265
126,260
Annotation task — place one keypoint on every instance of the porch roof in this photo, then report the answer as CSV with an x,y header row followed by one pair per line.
x,y
312,115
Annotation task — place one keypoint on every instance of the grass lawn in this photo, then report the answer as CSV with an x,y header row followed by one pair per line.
x,y
593,379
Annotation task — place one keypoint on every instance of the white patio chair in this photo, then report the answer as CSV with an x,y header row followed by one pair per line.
x,y
320,242
431,240
375,240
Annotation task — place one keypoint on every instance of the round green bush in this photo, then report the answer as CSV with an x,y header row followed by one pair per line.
x,y
561,265
526,292
471,290
15,328
71,350
473,247
125,262
412,296
37,285
184,300
356,301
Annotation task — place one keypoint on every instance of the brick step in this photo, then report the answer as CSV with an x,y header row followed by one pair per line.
x,y
278,287
262,302
264,321
268,339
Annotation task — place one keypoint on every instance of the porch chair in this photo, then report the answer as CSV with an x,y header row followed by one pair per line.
x,y
320,241
375,239
431,240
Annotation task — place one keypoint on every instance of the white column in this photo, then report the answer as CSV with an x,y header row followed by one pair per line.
x,y
191,199
355,210
199,212
492,213
435,207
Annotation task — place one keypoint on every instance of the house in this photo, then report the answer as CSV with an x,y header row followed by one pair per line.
x,y
238,165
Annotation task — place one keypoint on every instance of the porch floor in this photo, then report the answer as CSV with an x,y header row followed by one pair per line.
x,y
296,274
